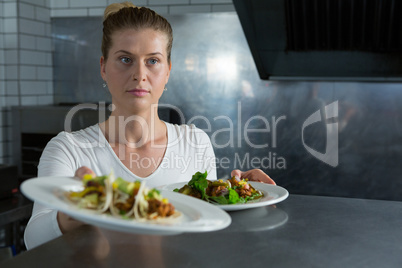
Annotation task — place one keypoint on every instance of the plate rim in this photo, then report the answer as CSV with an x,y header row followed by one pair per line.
x,y
199,225
233,207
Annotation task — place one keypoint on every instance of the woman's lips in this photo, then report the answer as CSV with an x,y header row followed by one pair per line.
x,y
138,92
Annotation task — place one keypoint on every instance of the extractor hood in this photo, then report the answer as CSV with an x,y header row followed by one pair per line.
x,y
348,40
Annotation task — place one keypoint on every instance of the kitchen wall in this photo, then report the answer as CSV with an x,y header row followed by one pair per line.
x,y
325,138
83,8
2,81
26,71
322,137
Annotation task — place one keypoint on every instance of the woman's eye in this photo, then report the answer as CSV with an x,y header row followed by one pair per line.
x,y
125,60
153,61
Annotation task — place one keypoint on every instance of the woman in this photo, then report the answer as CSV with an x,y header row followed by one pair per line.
x,y
133,141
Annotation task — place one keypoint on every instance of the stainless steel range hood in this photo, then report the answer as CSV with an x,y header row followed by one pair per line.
x,y
348,40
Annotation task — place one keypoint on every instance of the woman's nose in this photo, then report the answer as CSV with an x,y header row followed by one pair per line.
x,y
139,72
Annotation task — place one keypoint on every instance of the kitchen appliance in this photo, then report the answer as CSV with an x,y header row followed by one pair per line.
x,y
349,40
8,181
35,126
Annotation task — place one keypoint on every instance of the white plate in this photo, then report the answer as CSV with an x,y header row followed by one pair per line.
x,y
272,194
257,219
197,215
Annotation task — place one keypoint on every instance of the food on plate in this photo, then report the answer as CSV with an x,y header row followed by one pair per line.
x,y
95,195
130,200
232,191
124,195
133,199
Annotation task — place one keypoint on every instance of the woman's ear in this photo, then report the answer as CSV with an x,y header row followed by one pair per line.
x,y
168,73
103,68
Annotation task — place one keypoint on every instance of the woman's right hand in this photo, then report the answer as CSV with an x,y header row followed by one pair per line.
x,y
66,223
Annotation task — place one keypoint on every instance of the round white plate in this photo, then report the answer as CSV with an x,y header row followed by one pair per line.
x,y
272,194
197,215
257,219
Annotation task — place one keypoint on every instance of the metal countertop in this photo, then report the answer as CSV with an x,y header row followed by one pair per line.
x,y
302,231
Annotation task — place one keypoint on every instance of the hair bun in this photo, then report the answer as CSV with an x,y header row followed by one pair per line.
x,y
115,7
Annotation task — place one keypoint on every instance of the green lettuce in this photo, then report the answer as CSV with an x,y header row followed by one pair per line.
x,y
218,199
233,197
200,183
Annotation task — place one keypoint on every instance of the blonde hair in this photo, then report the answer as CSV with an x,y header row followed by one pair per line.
x,y
122,16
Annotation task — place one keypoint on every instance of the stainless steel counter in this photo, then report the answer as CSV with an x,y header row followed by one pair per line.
x,y
302,231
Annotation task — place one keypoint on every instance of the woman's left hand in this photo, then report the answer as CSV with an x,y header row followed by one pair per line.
x,y
253,175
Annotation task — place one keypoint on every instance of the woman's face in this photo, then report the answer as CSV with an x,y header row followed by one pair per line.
x,y
137,69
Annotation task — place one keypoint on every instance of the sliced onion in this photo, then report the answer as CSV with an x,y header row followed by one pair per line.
x,y
109,191
139,202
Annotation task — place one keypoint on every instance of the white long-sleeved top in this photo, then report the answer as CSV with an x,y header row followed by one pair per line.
x,y
189,150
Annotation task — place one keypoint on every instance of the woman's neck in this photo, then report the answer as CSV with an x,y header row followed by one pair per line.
x,y
134,130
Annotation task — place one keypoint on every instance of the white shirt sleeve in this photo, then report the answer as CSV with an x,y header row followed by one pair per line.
x,y
43,225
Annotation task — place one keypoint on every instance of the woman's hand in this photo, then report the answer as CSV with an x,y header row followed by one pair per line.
x,y
66,223
83,171
253,175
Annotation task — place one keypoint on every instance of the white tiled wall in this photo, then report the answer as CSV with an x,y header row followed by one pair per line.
x,y
7,40
25,61
79,8
2,83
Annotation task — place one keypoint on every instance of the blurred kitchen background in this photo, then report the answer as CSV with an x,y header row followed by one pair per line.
x,y
312,98
49,62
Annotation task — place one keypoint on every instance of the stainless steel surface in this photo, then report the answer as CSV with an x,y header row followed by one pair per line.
x,y
215,84
302,231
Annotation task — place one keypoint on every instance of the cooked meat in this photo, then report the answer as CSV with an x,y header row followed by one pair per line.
x,y
243,192
216,191
163,209
127,206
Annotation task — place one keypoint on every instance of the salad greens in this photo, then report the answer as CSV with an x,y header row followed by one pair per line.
x,y
232,191
199,182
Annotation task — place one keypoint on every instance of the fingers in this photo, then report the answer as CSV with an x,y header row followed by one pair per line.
x,y
80,172
258,175
254,175
236,173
